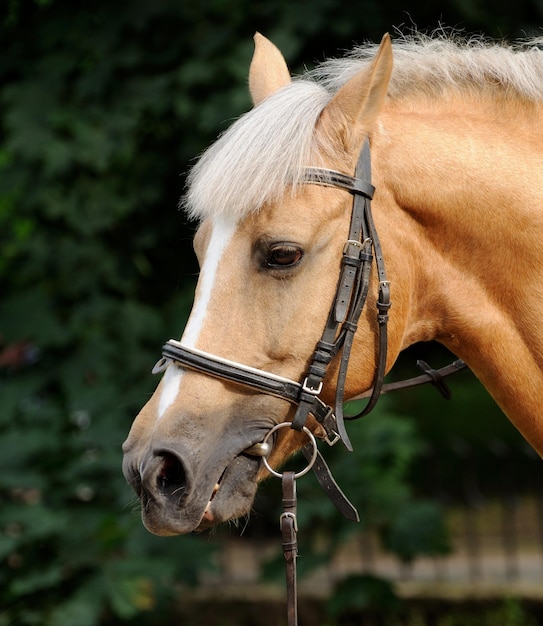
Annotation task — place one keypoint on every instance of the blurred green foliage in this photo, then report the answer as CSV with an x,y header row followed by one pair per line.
x,y
102,107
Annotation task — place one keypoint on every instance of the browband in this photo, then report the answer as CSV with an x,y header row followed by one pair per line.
x,y
331,178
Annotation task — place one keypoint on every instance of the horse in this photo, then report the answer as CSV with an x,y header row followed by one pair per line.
x,y
452,129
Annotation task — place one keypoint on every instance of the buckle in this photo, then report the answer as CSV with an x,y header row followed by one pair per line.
x,y
312,390
289,514
332,441
349,244
329,424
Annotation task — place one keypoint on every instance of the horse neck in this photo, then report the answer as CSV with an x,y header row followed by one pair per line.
x,y
464,195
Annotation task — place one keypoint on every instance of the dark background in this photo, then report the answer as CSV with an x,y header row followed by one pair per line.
x,y
103,106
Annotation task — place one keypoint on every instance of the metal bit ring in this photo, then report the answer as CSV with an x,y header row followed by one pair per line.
x,y
311,461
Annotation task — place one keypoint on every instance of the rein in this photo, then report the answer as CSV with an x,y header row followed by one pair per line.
x,y
361,248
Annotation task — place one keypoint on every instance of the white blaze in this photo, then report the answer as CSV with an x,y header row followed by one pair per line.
x,y
222,232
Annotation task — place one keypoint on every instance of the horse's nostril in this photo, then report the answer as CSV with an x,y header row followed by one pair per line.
x,y
171,479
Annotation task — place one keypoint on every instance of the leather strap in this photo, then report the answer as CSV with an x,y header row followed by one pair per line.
x,y
331,178
230,370
430,376
351,294
289,531
329,485
265,382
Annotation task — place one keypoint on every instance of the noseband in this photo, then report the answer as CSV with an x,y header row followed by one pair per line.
x,y
337,338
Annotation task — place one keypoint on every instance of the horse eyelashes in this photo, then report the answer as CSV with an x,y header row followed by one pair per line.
x,y
283,256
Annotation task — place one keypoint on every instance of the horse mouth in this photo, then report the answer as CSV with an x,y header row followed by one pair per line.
x,y
179,493
172,493
233,493
208,515
254,452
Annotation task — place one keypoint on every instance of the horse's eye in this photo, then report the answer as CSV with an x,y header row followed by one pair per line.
x,y
283,256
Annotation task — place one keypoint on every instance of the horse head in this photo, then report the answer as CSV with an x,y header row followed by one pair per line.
x,y
278,315
270,247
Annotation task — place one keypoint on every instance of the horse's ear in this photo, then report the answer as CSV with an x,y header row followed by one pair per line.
x,y
356,106
268,72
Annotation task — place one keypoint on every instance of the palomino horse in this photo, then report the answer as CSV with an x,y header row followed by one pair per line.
x,y
458,173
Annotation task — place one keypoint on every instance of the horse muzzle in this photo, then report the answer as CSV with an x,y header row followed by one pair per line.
x,y
179,494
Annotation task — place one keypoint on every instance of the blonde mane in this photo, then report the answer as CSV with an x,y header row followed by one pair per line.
x,y
266,149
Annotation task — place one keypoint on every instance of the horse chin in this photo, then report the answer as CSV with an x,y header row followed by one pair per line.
x,y
229,496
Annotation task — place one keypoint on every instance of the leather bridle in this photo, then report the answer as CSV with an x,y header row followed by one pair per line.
x,y
361,248
351,294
